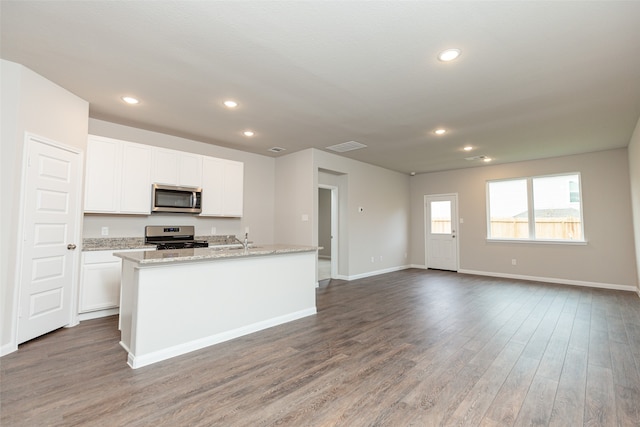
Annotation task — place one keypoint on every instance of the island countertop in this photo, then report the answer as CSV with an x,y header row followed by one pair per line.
x,y
211,253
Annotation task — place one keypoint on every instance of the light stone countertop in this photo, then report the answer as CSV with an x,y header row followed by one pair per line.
x,y
114,243
150,258
124,243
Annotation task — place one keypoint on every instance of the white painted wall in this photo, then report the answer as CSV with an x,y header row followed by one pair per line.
x,y
381,230
609,256
259,181
30,103
295,199
634,173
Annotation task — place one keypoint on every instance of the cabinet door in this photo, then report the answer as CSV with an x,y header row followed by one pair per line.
x,y
212,173
136,179
190,170
100,284
165,167
173,167
233,188
102,175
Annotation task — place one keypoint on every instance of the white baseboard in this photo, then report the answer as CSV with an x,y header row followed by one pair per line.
x,y
8,348
97,314
600,285
376,273
177,350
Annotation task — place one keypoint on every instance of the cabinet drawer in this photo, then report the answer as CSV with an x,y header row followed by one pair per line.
x,y
98,257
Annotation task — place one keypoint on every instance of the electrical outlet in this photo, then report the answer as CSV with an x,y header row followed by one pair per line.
x,y
105,231
380,258
514,261
246,230
373,259
213,231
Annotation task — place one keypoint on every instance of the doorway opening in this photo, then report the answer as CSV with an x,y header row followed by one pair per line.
x,y
327,233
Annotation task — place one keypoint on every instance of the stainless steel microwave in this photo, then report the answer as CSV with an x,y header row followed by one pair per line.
x,y
171,198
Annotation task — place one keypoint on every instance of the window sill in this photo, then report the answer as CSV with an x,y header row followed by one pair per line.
x,y
540,241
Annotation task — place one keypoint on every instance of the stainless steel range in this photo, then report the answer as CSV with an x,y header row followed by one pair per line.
x,y
172,237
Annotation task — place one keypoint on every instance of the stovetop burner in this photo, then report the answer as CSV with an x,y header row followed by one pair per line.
x,y
182,245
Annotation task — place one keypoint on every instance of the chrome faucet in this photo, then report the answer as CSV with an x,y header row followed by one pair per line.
x,y
244,244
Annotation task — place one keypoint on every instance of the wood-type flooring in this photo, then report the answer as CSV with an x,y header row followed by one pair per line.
x,y
409,348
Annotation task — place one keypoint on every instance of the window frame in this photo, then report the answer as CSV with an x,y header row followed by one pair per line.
x,y
531,212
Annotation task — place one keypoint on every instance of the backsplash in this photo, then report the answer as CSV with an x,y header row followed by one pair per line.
x,y
133,225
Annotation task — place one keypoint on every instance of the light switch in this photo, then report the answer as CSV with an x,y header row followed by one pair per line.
x,y
305,217
105,231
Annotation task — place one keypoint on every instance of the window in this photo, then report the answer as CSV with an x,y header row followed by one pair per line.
x,y
535,208
441,217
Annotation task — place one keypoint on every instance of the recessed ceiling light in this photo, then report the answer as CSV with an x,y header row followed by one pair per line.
x,y
230,104
468,148
130,100
440,131
448,55
248,133
487,159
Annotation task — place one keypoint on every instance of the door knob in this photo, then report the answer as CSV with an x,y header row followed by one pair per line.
x,y
71,246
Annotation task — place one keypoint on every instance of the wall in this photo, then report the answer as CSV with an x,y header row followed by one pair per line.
x,y
607,259
30,103
295,194
381,231
634,173
259,181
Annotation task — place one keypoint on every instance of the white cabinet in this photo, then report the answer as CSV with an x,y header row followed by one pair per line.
x,y
135,191
101,176
171,167
222,187
233,188
100,280
117,177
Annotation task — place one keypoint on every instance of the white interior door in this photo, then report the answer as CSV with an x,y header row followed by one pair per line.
x,y
50,226
441,213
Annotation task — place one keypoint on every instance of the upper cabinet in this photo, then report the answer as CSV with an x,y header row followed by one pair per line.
x,y
171,167
222,187
117,177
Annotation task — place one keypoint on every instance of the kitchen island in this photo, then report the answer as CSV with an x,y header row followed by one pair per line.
x,y
176,301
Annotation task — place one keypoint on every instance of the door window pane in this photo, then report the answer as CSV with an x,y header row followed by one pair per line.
x,y
508,211
441,217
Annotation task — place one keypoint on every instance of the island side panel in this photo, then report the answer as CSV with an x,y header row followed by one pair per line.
x,y
128,299
185,306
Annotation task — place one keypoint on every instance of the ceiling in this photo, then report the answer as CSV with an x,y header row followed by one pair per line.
x,y
535,79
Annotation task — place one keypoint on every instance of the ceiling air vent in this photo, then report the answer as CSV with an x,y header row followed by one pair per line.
x,y
276,149
476,158
346,146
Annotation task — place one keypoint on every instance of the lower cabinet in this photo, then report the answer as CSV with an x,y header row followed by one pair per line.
x,y
100,283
